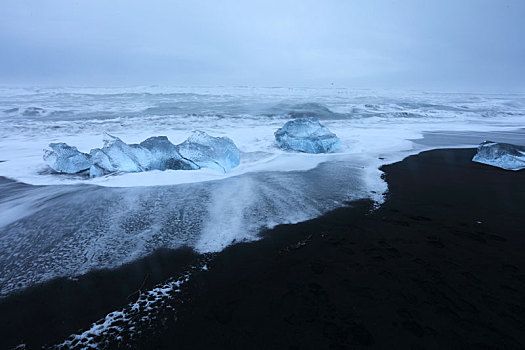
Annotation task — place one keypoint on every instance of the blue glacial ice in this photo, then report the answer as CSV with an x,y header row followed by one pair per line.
x,y
501,155
200,150
66,159
116,155
306,135
165,155
219,153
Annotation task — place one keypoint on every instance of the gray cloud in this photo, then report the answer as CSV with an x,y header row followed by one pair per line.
x,y
443,45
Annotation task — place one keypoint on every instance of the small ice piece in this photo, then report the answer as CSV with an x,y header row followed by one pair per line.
x,y
164,155
501,155
219,153
306,135
119,156
67,159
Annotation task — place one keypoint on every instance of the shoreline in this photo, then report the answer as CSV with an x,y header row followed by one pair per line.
x,y
403,273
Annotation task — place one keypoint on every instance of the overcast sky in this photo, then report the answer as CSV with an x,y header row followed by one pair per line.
x,y
473,45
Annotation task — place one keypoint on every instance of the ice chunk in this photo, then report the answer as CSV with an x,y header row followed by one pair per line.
x,y
156,153
501,155
206,151
164,155
306,135
66,159
119,156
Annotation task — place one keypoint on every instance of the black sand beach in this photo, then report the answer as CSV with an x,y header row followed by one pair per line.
x,y
439,265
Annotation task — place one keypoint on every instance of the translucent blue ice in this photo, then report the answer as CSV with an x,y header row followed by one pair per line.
x,y
501,155
119,156
200,150
206,151
306,135
165,155
66,159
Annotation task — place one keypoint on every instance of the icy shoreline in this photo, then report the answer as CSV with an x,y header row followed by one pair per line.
x,y
67,225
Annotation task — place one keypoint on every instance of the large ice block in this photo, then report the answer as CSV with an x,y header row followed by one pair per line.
x,y
206,151
165,155
306,135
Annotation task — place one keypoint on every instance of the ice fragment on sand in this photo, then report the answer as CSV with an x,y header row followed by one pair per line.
x,y
501,155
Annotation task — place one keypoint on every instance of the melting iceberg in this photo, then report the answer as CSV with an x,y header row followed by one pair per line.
x,y
116,155
66,159
218,153
501,155
306,135
165,155
200,150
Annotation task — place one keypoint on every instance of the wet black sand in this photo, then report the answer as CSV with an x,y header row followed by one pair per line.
x,y
440,265
49,313
420,272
